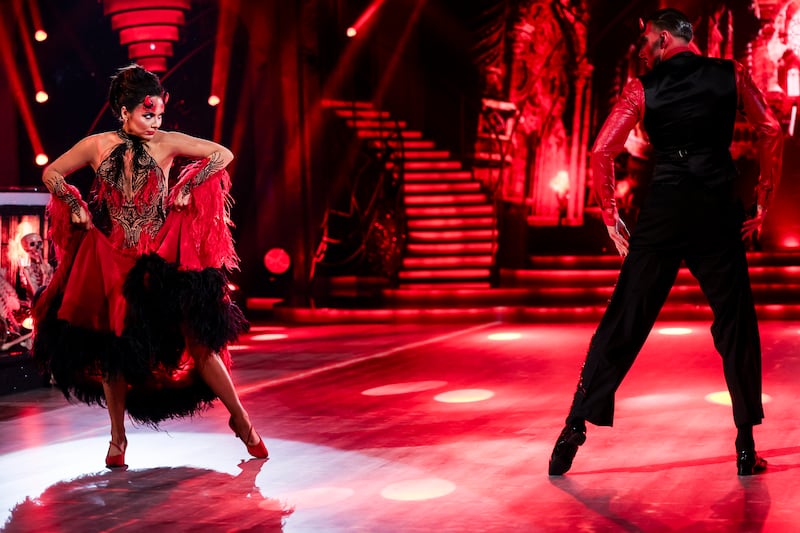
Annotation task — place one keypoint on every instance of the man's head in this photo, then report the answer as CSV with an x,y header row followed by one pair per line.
x,y
663,30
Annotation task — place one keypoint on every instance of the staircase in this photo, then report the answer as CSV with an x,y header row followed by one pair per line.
x,y
450,220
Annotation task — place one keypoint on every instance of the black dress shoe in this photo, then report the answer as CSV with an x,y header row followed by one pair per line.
x,y
565,449
748,463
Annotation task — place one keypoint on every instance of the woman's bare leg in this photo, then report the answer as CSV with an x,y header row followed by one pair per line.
x,y
213,371
115,391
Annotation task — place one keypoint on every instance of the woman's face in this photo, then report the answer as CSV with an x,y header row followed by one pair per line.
x,y
144,120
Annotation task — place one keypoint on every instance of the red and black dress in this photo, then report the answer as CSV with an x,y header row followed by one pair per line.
x,y
130,290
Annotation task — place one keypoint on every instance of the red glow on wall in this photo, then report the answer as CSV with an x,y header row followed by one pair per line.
x,y
791,241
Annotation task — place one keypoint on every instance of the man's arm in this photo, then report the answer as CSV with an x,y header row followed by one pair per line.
x,y
628,110
769,143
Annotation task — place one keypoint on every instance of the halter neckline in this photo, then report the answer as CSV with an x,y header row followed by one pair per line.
x,y
128,138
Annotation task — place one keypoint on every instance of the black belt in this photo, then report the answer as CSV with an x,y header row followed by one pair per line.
x,y
684,153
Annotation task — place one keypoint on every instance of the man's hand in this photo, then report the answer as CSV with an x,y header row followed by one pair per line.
x,y
753,225
619,234
81,218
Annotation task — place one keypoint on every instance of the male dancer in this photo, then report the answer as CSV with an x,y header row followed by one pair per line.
x,y
688,106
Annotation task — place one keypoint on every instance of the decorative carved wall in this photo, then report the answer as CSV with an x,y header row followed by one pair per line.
x,y
544,77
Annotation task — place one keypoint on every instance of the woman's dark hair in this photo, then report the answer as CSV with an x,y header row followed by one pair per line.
x,y
129,87
673,21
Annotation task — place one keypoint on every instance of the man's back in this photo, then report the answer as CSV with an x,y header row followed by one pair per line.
x,y
690,110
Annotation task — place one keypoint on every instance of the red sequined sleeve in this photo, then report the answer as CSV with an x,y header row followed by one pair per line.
x,y
628,110
770,137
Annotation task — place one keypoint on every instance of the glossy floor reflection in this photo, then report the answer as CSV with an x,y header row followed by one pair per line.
x,y
403,427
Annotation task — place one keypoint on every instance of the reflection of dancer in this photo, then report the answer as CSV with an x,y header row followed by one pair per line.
x,y
155,499
138,315
688,104
37,273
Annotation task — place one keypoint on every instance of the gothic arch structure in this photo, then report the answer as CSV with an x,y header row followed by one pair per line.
x,y
545,78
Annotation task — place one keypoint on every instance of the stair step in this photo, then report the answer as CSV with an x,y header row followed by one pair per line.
x,y
754,259
447,261
446,187
381,133
406,144
334,103
450,210
450,222
448,274
376,124
427,154
449,235
776,276
457,285
445,199
428,314
428,165
447,248
454,175
362,113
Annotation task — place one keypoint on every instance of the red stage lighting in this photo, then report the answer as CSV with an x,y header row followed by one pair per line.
x,y
42,96
40,35
277,261
213,100
41,159
26,46
353,30
17,91
148,28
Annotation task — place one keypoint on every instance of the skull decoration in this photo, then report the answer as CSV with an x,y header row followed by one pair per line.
x,y
34,246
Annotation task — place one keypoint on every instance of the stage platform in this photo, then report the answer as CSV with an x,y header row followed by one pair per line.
x,y
417,428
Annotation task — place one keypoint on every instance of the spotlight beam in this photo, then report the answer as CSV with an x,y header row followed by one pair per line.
x,y
222,58
26,45
365,17
16,88
36,17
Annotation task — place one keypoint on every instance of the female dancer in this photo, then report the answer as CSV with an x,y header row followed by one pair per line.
x,y
138,314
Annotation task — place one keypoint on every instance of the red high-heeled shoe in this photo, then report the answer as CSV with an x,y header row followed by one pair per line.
x,y
259,450
116,461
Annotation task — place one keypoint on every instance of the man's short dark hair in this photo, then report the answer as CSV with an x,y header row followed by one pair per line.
x,y
673,21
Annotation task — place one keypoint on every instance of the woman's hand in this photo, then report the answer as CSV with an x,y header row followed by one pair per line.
x,y
181,201
81,218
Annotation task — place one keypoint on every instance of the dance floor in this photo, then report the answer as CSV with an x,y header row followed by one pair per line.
x,y
421,428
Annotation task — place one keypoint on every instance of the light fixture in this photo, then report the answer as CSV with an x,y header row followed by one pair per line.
x,y
148,28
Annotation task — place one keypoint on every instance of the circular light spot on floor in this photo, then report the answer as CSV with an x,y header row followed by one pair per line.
x,y
505,336
404,388
270,337
675,331
724,398
464,396
238,347
316,497
648,401
256,329
418,489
